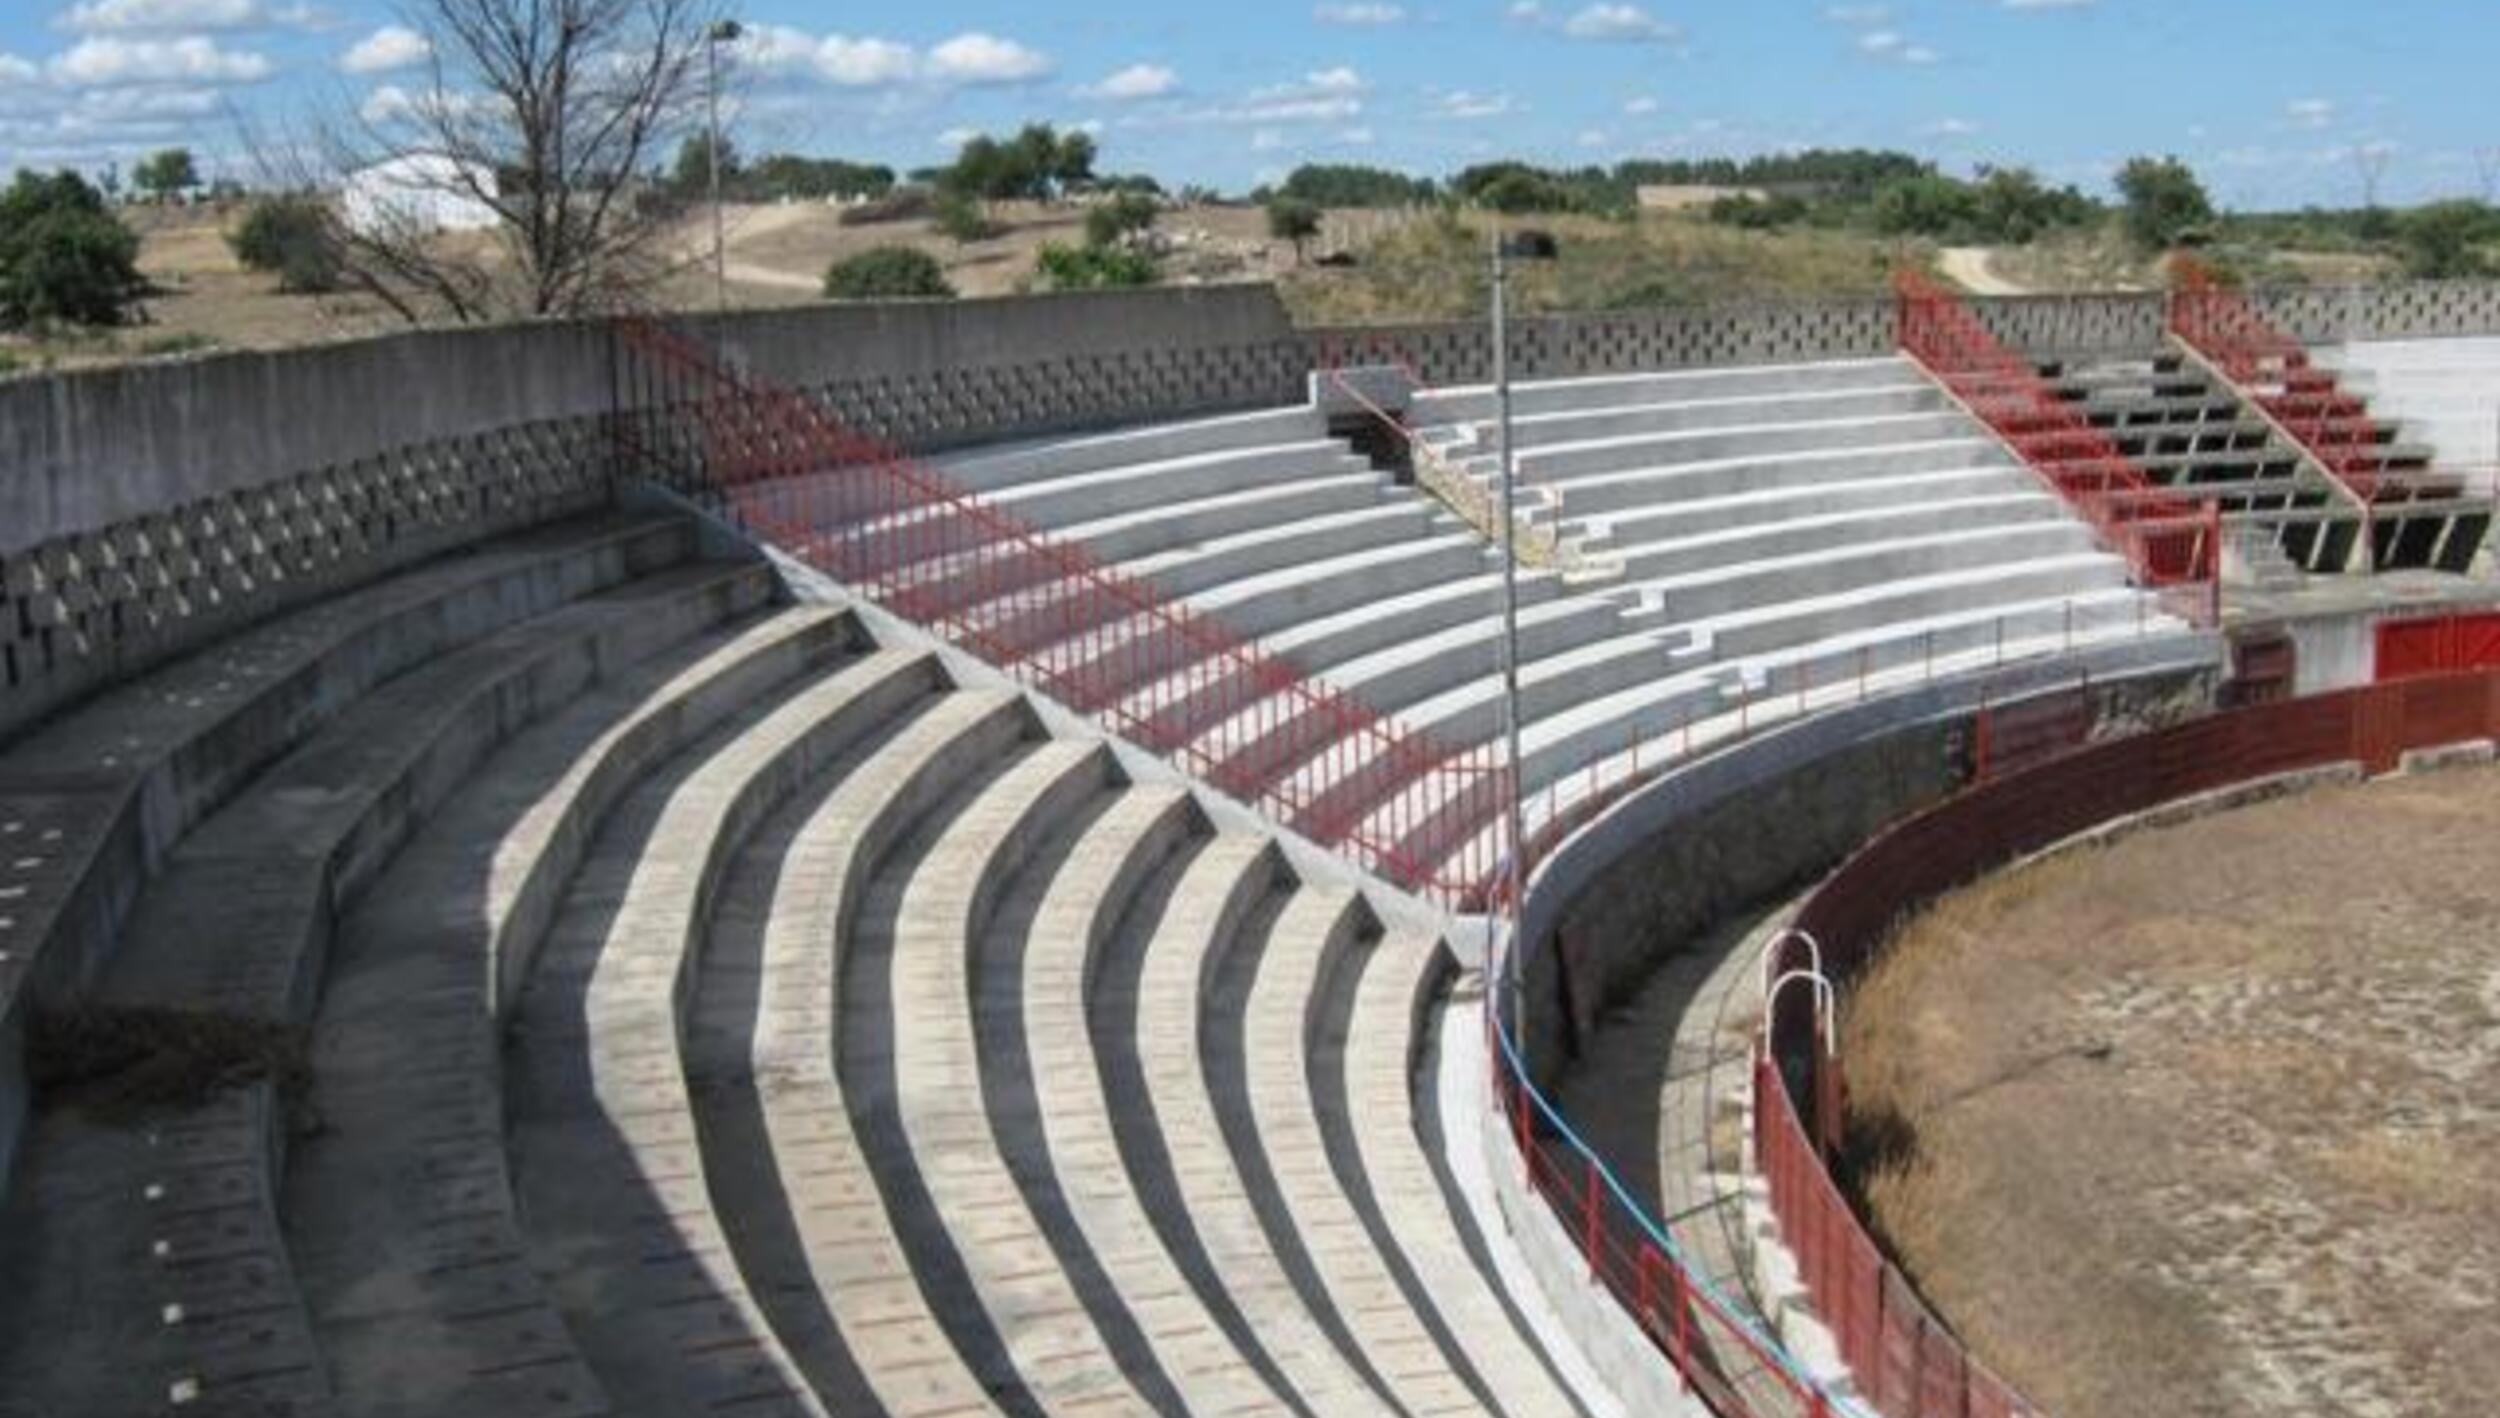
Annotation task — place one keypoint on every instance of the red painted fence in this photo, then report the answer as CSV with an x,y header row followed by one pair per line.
x,y
1907,1362
1415,811
2172,542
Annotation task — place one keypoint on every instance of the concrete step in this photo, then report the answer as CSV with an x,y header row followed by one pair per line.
x,y
1760,473
1762,628
1198,1196
1752,586
992,469
957,915
1089,925
1748,411
1139,487
268,874
112,787
398,1231
1311,938
1174,524
603,1128
1377,1141
1834,533
1771,505
1567,464
1463,403
231,932
785,1156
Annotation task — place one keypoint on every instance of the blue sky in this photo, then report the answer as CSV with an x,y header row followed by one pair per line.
x,y
2274,101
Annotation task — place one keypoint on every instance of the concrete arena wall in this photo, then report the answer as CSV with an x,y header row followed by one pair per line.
x,y
1624,895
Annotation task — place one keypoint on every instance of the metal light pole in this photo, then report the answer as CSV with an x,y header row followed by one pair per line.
x,y
722,32
1517,820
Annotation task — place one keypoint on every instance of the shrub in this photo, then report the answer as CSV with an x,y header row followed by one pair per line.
x,y
1123,214
63,256
961,219
888,273
292,237
903,204
2445,240
1095,267
2165,202
1295,220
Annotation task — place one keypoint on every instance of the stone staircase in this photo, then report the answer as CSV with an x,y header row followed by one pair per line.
x,y
567,979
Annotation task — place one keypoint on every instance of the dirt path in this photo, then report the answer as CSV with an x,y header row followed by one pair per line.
x,y
2205,1121
1973,269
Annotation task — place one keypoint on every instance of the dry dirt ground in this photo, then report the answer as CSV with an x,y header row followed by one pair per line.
x,y
777,256
2207,1120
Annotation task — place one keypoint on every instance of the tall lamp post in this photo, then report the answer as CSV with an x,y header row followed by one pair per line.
x,y
1507,247
722,32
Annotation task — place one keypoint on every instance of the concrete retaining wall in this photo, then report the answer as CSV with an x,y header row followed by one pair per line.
x,y
1755,822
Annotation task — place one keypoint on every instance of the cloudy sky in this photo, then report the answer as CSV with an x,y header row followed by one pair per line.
x,y
2277,101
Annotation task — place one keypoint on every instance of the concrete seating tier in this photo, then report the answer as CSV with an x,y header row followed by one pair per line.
x,y
669,1000
1762,529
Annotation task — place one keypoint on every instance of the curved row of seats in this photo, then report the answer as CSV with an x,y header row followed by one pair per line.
x,y
1774,533
657,998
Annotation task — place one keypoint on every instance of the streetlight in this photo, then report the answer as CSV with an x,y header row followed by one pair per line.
x,y
1507,247
722,32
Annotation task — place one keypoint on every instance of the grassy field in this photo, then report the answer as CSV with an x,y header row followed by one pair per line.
x,y
2202,1122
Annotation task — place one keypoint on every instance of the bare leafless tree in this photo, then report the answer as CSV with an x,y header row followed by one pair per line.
x,y
547,114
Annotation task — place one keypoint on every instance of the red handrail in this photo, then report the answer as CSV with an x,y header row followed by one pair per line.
x,y
2272,369
1415,810
2170,541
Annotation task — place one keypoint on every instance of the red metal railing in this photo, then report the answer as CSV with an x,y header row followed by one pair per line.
x,y
1417,812
1907,1363
2273,370
2172,542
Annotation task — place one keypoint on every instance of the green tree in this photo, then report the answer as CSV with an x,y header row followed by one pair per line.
x,y
888,273
1095,267
2447,240
1353,185
961,220
63,256
692,175
2164,202
1293,219
166,174
1109,222
292,236
1932,205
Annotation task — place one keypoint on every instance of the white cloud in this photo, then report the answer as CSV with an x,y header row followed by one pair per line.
x,y
1266,140
869,62
1360,14
1951,128
1323,95
1462,104
1636,107
392,104
953,139
977,58
2310,112
388,48
14,70
1620,24
1894,46
1528,11
1593,138
1858,14
862,63
194,59
127,16
1135,82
